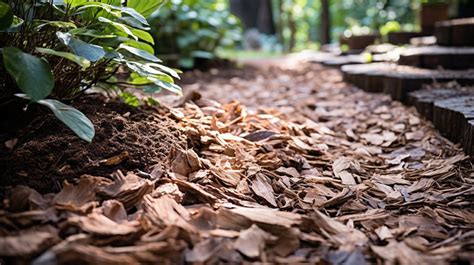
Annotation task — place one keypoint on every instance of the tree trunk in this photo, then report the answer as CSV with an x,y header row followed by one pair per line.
x,y
292,26
254,14
279,23
247,11
325,22
282,24
266,23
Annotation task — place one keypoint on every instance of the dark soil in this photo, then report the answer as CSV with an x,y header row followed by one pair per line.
x,y
47,152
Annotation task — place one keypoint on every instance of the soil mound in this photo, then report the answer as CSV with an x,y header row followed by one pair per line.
x,y
46,152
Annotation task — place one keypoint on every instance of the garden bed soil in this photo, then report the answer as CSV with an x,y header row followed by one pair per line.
x,y
46,152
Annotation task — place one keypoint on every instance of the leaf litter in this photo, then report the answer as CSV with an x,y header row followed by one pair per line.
x,y
284,165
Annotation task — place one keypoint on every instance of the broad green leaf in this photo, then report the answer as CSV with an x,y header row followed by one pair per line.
x,y
58,2
89,51
89,5
138,80
112,54
138,68
92,10
134,18
133,23
172,72
6,16
145,7
56,24
168,86
133,13
140,45
114,3
91,33
106,3
83,62
140,53
73,118
32,75
143,35
112,42
119,26
144,69
157,77
74,3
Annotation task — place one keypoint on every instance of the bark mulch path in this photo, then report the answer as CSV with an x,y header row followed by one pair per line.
x,y
282,164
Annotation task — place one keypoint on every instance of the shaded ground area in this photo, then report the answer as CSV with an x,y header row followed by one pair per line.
x,y
287,164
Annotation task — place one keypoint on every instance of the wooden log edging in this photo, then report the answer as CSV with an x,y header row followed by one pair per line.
x,y
452,117
342,60
433,57
456,32
358,43
399,81
423,100
450,110
468,142
368,77
403,37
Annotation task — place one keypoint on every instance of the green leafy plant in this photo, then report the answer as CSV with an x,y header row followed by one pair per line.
x,y
435,2
54,50
190,29
390,26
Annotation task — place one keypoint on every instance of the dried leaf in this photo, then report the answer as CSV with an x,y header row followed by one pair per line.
x,y
101,225
239,217
165,211
340,167
75,197
259,136
185,162
251,242
263,189
128,189
203,251
26,244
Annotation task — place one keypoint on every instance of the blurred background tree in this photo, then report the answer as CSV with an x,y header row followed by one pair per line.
x,y
191,30
299,22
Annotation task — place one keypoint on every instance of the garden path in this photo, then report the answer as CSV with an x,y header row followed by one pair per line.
x,y
285,164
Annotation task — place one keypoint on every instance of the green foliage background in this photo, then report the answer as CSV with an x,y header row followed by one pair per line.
x,y
186,30
345,14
